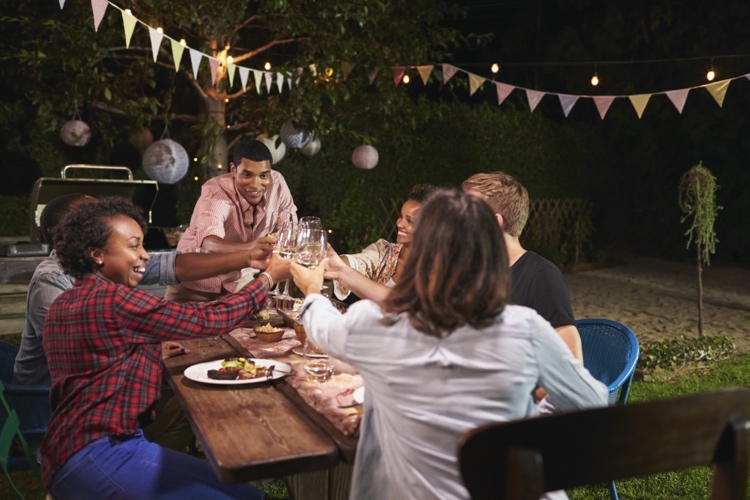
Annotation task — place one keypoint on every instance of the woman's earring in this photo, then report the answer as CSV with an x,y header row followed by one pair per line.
x,y
99,263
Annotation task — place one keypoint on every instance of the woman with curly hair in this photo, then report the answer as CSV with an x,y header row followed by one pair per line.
x,y
443,353
103,341
371,273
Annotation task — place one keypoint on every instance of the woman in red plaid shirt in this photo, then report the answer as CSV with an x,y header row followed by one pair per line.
x,y
103,343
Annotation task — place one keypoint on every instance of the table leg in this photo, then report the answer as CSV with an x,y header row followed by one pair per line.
x,y
331,484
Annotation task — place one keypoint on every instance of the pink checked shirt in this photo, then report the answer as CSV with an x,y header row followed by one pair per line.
x,y
221,211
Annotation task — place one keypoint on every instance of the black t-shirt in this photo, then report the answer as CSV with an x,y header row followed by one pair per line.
x,y
537,283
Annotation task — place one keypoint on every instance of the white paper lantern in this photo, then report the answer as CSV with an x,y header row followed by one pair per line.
x,y
311,148
165,161
365,157
293,137
277,152
75,133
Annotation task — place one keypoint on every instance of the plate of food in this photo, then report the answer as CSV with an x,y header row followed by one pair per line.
x,y
236,371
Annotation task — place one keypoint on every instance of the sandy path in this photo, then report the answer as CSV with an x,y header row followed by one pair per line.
x,y
657,299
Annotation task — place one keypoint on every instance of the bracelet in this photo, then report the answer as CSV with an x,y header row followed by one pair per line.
x,y
268,277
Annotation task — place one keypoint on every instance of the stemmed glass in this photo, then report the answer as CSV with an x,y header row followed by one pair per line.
x,y
310,222
311,247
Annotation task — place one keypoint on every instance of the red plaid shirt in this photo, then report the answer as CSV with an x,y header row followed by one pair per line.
x,y
103,347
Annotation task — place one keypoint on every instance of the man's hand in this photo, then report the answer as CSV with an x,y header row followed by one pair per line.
x,y
335,264
308,280
170,348
278,268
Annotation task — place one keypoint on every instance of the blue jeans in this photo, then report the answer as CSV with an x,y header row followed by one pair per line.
x,y
134,468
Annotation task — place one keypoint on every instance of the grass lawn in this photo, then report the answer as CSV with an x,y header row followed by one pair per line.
x,y
693,483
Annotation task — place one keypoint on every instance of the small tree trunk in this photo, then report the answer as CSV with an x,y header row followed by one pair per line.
x,y
700,292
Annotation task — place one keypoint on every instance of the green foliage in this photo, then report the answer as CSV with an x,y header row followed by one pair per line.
x,y
14,215
697,199
674,353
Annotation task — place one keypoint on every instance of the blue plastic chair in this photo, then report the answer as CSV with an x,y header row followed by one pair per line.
x,y
30,403
610,354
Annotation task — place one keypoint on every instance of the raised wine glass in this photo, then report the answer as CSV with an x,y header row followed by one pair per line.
x,y
310,222
311,247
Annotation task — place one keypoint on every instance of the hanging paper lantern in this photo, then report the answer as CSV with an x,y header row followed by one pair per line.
x,y
311,148
277,151
75,133
142,138
365,157
165,161
293,137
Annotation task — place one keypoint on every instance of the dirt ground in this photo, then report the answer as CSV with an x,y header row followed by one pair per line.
x,y
657,299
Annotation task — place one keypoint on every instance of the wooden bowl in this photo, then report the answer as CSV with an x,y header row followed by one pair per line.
x,y
268,336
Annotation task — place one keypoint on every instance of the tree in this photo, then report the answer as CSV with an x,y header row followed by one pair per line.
x,y
114,86
697,199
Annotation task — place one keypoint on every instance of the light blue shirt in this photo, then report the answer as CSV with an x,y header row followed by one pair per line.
x,y
49,281
423,392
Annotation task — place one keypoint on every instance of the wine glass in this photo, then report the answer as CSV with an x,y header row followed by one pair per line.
x,y
311,247
286,246
279,221
311,222
316,364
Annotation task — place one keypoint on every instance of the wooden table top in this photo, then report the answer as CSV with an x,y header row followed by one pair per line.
x,y
251,431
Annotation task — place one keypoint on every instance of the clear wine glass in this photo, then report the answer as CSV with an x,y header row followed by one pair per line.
x,y
311,222
317,365
311,247
286,246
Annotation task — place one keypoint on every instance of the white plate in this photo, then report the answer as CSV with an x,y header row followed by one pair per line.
x,y
199,372
359,395
299,352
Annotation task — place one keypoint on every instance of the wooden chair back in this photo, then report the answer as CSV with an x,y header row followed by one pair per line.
x,y
523,459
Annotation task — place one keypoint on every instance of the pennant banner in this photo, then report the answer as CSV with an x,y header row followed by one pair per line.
x,y
177,50
678,98
269,80
503,91
346,68
279,82
567,102
425,72
474,83
257,75
373,74
639,102
128,22
448,72
156,38
213,63
602,104
398,74
195,60
244,72
230,73
534,96
99,7
718,90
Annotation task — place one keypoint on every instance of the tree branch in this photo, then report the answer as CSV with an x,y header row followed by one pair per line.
x,y
259,50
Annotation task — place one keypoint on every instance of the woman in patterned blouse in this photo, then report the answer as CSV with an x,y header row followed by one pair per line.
x,y
103,343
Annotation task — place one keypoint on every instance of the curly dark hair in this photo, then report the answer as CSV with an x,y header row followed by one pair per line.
x,y
420,192
253,150
54,211
85,227
457,270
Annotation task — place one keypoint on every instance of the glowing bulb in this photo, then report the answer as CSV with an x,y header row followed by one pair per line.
x,y
160,31
226,100
218,167
495,68
127,11
407,79
183,42
229,126
195,178
267,66
195,159
330,231
710,75
230,59
594,80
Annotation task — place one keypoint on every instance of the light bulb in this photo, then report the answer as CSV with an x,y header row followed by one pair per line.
x,y
495,68
230,59
195,178
710,75
226,100
407,79
267,66
594,80
127,11
159,30
218,166
183,42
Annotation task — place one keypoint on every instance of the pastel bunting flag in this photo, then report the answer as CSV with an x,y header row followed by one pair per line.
x,y
244,72
567,102
213,63
425,72
177,50
448,72
257,75
373,74
475,82
503,91
62,3
279,82
346,68
128,23
534,96
639,102
156,39
269,80
398,74
718,90
678,98
195,60
289,82
603,102
231,67
298,77
99,7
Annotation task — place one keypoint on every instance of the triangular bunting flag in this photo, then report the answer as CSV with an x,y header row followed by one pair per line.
x,y
639,102
373,74
448,72
177,50
398,74
567,102
213,63
269,80
346,68
678,98
99,7
289,82
718,90
299,76
195,59
474,83
603,103
128,22
62,2
534,96
230,73
257,75
425,72
503,91
279,82
156,38
243,77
